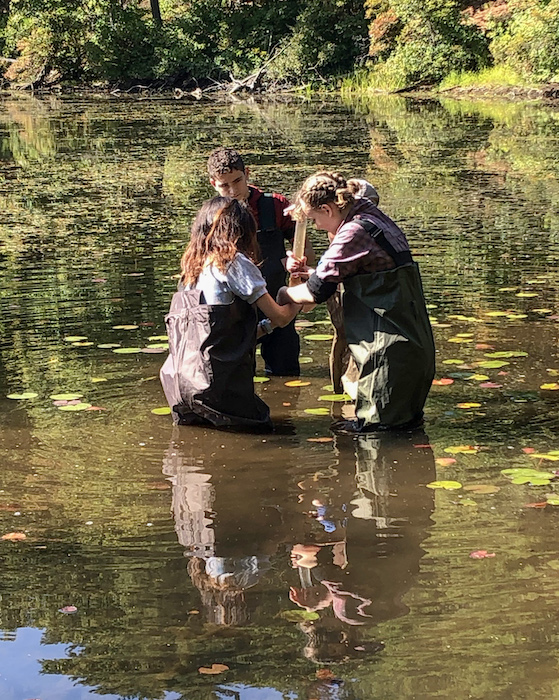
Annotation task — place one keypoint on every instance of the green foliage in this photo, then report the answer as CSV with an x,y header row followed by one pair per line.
x,y
498,75
529,42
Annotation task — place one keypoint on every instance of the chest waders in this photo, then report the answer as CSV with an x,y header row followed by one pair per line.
x,y
208,376
390,337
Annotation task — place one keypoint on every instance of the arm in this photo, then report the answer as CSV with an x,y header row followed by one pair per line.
x,y
278,315
299,294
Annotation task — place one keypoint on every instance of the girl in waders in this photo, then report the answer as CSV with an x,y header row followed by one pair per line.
x,y
212,323
384,315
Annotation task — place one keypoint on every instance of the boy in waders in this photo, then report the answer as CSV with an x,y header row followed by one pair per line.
x,y
229,177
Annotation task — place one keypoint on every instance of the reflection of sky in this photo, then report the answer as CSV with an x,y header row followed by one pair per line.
x,y
20,671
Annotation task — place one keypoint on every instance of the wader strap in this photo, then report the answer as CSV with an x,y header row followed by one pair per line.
x,y
266,213
400,258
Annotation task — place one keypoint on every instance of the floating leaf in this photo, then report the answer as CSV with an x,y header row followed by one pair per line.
x,y
14,537
481,554
128,327
108,346
303,323
158,337
162,411
528,450
483,346
457,339
260,380
526,295
478,377
328,387
552,499
468,502
298,615
127,351
317,411
468,404
213,670
75,407
542,311
82,344
75,338
507,353
297,382
65,397
549,456
447,485
305,360
534,477
462,449
492,364
444,381
539,504
464,335
153,350
452,361
25,395
550,386
495,314
490,385
334,397
445,461
68,609
319,336
320,439
482,488
97,380
554,564
515,316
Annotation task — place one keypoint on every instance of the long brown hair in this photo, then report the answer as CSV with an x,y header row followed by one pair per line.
x,y
222,228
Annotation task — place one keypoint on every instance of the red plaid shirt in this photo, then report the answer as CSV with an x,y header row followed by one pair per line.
x,y
353,251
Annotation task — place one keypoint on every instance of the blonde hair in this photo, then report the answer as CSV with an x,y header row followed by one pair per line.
x,y
324,187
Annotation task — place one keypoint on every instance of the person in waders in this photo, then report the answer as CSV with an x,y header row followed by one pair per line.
x,y
212,324
229,177
383,307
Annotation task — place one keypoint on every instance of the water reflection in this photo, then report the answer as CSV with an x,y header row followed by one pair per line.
x,y
350,531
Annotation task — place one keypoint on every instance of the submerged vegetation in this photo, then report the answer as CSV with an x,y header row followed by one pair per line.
x,y
382,44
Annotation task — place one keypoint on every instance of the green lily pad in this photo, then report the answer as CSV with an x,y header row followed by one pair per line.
x,y
128,327
552,499
127,351
305,360
334,397
163,411
75,407
158,337
65,397
96,380
260,380
533,477
83,344
492,364
319,336
453,361
317,411
447,485
298,615
24,395
75,338
328,387
506,353
108,346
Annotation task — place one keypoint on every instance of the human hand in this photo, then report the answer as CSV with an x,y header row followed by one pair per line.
x,y
283,297
297,267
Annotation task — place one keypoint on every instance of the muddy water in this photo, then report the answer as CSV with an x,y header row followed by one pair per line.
x,y
310,566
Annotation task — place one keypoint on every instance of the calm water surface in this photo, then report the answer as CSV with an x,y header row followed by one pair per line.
x,y
310,567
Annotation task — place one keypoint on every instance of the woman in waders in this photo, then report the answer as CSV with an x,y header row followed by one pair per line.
x,y
212,323
384,314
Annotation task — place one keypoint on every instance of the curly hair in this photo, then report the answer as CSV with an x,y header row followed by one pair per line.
x,y
224,160
222,228
324,187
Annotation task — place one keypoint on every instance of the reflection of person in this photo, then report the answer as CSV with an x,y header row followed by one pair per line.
x,y
384,314
212,324
362,548
227,533
229,176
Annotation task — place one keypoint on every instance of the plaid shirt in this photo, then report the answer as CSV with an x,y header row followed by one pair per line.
x,y
353,251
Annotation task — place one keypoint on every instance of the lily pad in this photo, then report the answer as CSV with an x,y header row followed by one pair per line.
x,y
75,407
108,346
298,615
158,337
127,327
317,411
261,380
453,361
305,360
75,338
319,336
335,398
65,397
24,395
82,344
462,449
297,382
533,477
127,351
492,364
447,485
162,411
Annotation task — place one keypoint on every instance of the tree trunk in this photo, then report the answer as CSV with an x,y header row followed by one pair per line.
x,y
156,11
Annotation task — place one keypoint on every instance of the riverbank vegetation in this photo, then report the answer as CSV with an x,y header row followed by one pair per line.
x,y
255,44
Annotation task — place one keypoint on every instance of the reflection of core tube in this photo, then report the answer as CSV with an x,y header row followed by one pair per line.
x,y
305,577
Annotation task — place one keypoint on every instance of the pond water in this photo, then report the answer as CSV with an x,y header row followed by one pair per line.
x,y
304,566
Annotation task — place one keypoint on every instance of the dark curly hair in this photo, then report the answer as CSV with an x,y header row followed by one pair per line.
x,y
224,160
